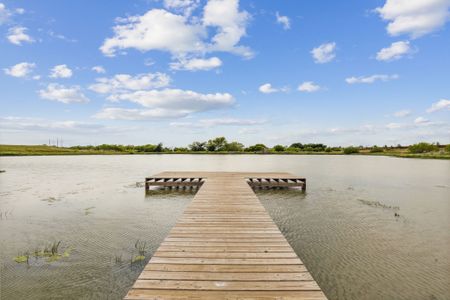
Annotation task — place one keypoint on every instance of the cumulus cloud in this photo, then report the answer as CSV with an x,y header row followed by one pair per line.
x,y
98,69
309,87
22,69
17,35
267,88
125,82
159,29
324,53
61,71
206,123
196,64
177,99
442,104
116,113
60,93
6,14
402,113
20,123
184,6
371,79
414,17
283,20
421,121
230,24
164,104
395,51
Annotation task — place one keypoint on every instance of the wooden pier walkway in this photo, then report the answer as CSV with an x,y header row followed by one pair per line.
x,y
225,246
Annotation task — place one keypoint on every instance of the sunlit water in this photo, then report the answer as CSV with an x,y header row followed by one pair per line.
x,y
344,228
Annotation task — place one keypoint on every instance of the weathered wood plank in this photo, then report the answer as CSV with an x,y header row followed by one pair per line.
x,y
225,245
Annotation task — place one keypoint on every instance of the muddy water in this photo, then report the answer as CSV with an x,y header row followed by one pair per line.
x,y
344,227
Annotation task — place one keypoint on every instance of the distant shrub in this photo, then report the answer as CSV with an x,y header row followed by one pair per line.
x,y
292,149
256,148
376,149
279,148
351,150
422,148
447,148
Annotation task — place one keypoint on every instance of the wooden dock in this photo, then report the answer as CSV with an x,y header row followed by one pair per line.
x,y
225,246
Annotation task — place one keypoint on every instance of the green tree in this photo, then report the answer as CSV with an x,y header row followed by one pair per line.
x,y
256,148
234,147
217,144
376,149
197,146
351,150
422,148
279,148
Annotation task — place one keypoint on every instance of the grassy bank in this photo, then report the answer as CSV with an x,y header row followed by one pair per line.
x,y
28,150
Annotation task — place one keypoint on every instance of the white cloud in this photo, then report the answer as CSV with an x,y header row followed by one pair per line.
x,y
61,71
159,29
371,79
98,69
177,99
207,123
309,87
283,20
61,37
230,23
60,93
184,6
414,17
324,53
442,104
196,64
421,121
6,14
124,82
19,123
17,35
20,70
267,88
115,113
396,51
402,113
396,125
167,103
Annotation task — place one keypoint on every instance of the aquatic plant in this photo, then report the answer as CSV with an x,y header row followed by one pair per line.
x,y
118,259
377,204
50,251
141,247
88,211
51,200
22,258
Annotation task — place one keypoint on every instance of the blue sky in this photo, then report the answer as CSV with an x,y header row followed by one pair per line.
x,y
276,72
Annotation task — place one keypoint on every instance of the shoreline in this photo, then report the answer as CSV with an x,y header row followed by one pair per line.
x,y
81,153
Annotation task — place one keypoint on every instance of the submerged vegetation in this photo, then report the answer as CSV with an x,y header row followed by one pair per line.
x,y
220,145
50,253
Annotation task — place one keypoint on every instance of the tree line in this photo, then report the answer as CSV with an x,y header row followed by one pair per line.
x,y
220,145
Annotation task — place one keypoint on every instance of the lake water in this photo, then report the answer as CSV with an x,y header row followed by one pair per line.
x,y
344,227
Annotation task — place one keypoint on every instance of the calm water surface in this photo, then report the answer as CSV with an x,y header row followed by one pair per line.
x,y
343,228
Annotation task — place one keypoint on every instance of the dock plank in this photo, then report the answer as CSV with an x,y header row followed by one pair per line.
x,y
225,246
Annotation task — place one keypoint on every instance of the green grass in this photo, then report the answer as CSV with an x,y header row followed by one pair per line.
x,y
25,150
